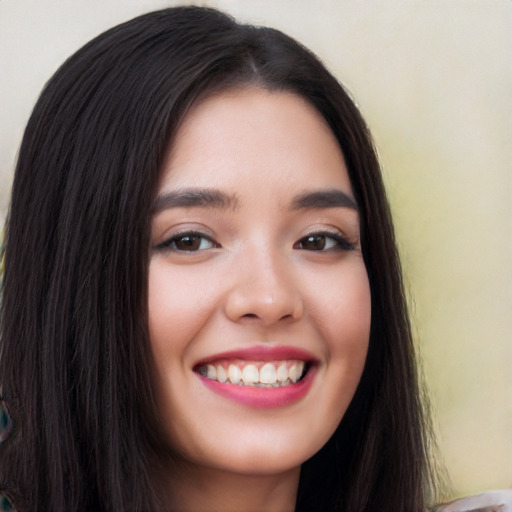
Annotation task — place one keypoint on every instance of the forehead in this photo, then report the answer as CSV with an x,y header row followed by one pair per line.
x,y
258,138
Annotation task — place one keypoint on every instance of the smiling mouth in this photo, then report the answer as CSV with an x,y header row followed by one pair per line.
x,y
261,374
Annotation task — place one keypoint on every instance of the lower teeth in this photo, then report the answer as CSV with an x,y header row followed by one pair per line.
x,y
258,384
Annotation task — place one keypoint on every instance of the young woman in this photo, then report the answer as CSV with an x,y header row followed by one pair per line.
x,y
202,304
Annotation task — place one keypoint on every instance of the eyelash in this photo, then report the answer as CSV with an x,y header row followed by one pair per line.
x,y
341,243
170,243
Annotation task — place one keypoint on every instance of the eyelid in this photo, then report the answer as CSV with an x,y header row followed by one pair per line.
x,y
342,242
166,244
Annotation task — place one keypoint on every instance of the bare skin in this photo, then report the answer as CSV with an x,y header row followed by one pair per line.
x,y
256,271
215,491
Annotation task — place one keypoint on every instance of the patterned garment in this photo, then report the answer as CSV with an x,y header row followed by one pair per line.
x,y
491,501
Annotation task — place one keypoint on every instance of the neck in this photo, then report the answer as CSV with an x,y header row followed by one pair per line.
x,y
209,489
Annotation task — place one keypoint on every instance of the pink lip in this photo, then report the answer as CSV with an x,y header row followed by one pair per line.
x,y
262,353
262,398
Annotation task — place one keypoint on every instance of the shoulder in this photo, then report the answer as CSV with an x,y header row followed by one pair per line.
x,y
491,501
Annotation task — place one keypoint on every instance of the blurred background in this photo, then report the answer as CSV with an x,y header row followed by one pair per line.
x,y
434,81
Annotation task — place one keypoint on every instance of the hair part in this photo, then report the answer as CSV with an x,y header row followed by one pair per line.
x,y
75,361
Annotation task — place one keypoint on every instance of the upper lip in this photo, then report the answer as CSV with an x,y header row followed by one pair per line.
x,y
262,353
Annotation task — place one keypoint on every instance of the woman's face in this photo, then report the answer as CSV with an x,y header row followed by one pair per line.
x,y
259,303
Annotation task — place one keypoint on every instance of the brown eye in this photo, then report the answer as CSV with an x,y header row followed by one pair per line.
x,y
187,242
313,243
324,242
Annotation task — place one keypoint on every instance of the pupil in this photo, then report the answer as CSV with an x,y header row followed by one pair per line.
x,y
315,243
188,243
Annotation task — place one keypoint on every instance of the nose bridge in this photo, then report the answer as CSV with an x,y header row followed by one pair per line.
x,y
263,288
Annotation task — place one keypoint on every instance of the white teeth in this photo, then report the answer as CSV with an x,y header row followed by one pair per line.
x,y
295,371
234,374
211,372
282,373
250,374
268,374
221,374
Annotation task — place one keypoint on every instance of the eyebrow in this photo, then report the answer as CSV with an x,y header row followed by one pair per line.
x,y
329,198
194,197
214,198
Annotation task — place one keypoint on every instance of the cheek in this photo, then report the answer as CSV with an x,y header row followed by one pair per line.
x,y
179,302
341,304
343,316
176,314
351,319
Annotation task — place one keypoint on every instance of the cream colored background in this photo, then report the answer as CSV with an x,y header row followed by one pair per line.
x,y
434,80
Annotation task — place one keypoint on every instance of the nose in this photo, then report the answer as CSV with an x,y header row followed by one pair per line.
x,y
264,291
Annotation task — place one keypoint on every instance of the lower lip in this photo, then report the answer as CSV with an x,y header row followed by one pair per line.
x,y
262,398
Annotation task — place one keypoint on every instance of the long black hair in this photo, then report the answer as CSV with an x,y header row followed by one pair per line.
x,y
74,360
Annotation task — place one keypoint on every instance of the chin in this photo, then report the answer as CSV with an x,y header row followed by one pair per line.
x,y
263,450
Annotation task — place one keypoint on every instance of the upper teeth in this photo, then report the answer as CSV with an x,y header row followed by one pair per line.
x,y
267,375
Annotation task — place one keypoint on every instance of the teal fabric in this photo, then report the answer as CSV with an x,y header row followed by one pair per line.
x,y
6,423
5,503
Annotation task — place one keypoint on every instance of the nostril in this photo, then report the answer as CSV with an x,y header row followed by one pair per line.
x,y
250,315
253,315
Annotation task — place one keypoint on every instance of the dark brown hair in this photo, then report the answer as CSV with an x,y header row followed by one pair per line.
x,y
75,362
